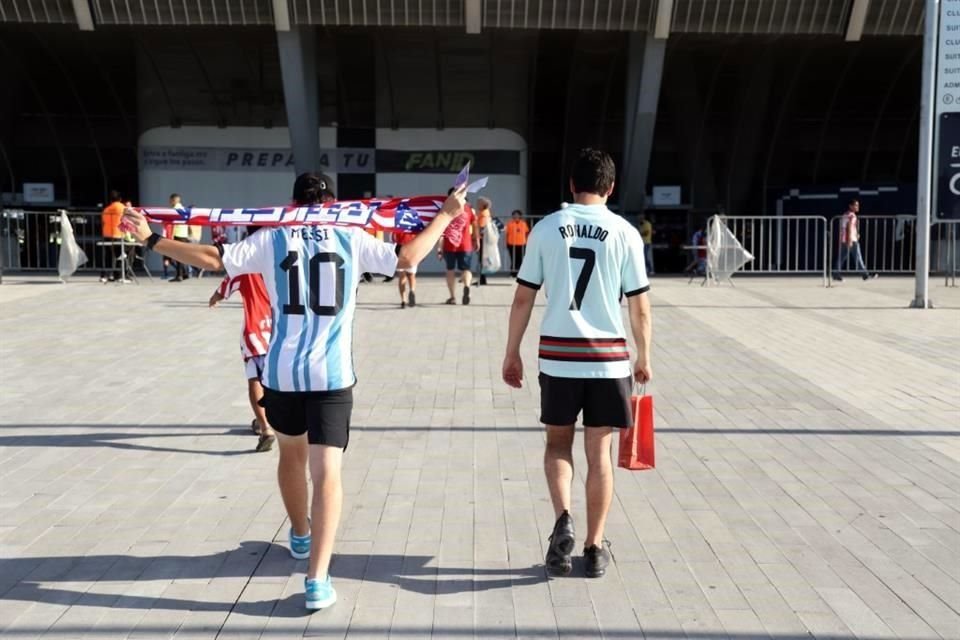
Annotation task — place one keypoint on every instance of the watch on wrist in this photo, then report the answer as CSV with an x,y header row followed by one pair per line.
x,y
153,240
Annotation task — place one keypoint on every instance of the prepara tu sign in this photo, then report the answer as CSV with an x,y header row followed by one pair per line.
x,y
249,159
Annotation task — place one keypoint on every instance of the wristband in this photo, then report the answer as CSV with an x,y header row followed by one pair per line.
x,y
153,240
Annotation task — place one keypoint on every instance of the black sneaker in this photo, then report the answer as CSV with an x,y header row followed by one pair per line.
x,y
596,559
412,299
559,561
466,295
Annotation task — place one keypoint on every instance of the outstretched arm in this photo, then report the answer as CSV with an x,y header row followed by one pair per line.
x,y
202,256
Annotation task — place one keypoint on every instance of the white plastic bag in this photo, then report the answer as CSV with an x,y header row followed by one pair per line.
x,y
725,254
71,255
491,249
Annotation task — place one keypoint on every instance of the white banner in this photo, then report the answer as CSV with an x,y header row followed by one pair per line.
x,y
175,158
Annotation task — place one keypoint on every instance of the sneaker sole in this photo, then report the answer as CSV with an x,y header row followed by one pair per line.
x,y
299,556
595,574
314,605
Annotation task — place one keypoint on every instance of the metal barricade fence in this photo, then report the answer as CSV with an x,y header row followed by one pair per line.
x,y
786,245
943,250
888,244
30,240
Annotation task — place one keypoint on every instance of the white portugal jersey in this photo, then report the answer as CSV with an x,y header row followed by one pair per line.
x,y
311,275
587,257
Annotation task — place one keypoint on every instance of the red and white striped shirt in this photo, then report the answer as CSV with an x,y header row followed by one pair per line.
x,y
257,317
848,228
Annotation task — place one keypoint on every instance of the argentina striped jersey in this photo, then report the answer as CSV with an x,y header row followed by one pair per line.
x,y
311,274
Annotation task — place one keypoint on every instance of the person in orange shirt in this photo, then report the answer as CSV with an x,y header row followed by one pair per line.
x,y
110,221
517,232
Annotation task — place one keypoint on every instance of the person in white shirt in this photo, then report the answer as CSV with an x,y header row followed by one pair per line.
x,y
311,274
586,256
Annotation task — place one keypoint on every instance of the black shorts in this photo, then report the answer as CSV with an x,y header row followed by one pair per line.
x,y
605,402
323,415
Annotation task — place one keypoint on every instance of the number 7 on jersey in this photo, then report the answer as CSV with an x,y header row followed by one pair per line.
x,y
589,257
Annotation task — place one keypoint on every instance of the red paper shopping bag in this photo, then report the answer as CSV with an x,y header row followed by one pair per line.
x,y
636,443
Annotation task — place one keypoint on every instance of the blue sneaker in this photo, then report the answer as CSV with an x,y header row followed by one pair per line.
x,y
320,593
299,546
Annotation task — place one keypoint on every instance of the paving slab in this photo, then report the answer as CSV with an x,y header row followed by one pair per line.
x,y
807,481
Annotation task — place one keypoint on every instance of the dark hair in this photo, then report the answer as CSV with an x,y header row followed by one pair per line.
x,y
853,202
517,212
174,195
451,190
593,172
308,188
114,196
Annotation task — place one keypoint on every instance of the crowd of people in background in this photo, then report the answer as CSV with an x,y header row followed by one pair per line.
x,y
461,249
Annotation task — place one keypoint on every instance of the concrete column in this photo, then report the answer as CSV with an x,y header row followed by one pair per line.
x,y
298,66
644,70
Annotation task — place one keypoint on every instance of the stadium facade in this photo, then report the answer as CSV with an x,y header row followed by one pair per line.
x,y
705,104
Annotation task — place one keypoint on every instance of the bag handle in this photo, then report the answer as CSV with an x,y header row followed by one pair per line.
x,y
636,408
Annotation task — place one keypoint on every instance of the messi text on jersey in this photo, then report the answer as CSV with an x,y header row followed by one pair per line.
x,y
311,233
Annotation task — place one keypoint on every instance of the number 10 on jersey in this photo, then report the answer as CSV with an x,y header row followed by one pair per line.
x,y
291,264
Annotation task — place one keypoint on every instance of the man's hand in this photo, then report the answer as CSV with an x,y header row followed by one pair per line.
x,y
513,370
642,373
135,223
455,202
215,299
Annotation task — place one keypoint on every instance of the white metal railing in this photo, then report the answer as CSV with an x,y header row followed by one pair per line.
x,y
786,245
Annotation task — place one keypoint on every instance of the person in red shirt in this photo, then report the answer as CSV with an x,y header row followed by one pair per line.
x,y
257,320
457,251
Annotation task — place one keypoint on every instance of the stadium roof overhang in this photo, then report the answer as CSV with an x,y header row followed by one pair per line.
x,y
847,18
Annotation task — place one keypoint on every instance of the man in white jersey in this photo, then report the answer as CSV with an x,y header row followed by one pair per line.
x,y
586,256
311,274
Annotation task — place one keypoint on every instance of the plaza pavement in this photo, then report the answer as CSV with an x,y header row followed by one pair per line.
x,y
807,485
